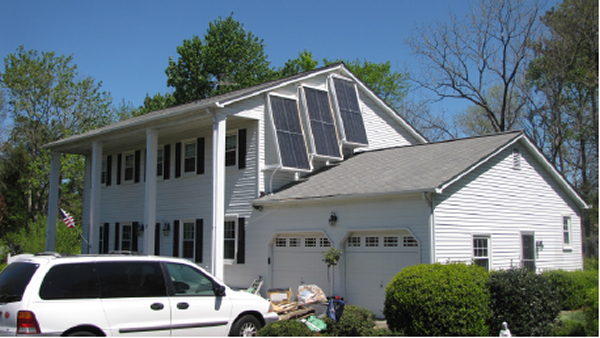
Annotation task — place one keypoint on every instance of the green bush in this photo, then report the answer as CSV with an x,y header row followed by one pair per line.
x,y
437,299
572,286
570,324
591,313
355,321
525,300
286,328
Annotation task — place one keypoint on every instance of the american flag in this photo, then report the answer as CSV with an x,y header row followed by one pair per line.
x,y
67,218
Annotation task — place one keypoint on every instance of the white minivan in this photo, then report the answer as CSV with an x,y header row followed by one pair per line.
x,y
109,295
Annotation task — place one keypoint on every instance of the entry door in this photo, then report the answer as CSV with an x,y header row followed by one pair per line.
x,y
528,244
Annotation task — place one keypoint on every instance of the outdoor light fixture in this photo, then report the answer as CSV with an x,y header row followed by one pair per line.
x,y
140,229
539,246
166,229
332,219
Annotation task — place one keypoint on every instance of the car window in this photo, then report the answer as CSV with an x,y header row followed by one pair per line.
x,y
13,281
190,281
131,279
70,281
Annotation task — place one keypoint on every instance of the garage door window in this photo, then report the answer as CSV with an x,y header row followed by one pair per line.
x,y
371,241
310,242
409,241
390,241
354,241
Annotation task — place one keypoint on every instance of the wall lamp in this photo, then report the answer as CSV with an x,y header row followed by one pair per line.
x,y
333,219
166,229
140,229
539,246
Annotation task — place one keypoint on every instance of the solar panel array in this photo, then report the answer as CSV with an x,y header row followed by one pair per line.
x,y
322,123
289,133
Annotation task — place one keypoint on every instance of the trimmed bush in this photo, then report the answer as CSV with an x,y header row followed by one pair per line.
x,y
572,286
285,328
591,313
355,321
439,299
526,301
570,324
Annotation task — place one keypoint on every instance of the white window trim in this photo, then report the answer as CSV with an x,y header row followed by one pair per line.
x,y
183,144
569,245
182,240
231,261
104,171
125,181
489,249
237,148
160,148
121,237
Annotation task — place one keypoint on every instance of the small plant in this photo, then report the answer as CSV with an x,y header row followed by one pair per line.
x,y
331,258
286,328
591,313
355,321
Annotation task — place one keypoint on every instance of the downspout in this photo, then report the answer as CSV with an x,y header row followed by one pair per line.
x,y
430,202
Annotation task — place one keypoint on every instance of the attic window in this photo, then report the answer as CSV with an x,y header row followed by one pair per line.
x,y
516,159
322,125
290,138
349,110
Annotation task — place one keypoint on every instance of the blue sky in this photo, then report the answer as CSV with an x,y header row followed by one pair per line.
x,y
126,44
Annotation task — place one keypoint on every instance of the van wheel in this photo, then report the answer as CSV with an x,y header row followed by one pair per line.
x,y
247,326
81,334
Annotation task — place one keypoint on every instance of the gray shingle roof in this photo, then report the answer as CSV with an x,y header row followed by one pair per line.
x,y
406,169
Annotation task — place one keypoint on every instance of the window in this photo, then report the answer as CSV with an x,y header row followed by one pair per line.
x,y
189,157
70,281
160,160
230,248
189,281
294,242
230,150
567,231
104,170
129,168
354,241
281,242
528,247
409,241
481,252
101,239
324,242
126,237
371,241
349,109
188,246
310,242
390,241
290,138
321,123
131,279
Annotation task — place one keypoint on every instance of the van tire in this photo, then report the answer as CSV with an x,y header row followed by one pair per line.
x,y
81,334
245,326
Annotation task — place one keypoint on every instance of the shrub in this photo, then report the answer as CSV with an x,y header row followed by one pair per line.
x,y
355,321
523,299
591,313
568,328
437,299
572,286
289,328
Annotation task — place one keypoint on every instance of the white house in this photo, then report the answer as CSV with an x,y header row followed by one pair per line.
x,y
251,183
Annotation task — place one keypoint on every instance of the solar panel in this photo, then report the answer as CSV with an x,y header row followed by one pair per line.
x,y
289,133
321,123
354,127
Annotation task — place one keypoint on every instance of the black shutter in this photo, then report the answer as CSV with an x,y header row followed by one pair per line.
x,y
199,239
136,176
241,238
119,163
200,156
108,169
105,237
134,237
146,163
166,161
117,239
157,239
177,159
242,148
176,239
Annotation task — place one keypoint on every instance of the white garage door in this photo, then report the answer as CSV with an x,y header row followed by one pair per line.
x,y
372,260
297,259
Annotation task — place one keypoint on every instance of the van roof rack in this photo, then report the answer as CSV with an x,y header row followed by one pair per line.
x,y
48,253
124,252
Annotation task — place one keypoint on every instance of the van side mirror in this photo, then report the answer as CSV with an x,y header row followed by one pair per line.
x,y
219,290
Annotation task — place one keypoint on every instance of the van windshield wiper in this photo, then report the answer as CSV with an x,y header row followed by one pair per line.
x,y
10,298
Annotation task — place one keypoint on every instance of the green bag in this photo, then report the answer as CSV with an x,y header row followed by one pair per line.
x,y
315,324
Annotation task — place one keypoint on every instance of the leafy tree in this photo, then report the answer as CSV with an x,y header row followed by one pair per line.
x,y
229,58
489,47
46,100
303,63
156,102
564,76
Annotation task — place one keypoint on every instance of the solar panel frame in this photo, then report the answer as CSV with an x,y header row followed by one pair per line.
x,y
349,110
322,123
290,137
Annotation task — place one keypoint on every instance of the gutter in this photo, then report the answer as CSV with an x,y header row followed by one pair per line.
x,y
431,204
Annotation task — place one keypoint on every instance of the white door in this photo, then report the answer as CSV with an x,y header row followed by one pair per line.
x,y
298,259
371,261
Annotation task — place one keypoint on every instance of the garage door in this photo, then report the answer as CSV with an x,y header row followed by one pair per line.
x,y
297,259
372,260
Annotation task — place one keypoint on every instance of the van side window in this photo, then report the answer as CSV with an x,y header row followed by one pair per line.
x,y
131,279
188,281
13,281
70,281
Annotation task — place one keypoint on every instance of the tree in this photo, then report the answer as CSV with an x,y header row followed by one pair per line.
x,y
303,63
564,76
229,58
464,58
46,100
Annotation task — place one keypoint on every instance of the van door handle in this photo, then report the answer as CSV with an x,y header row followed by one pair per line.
x,y
157,306
183,306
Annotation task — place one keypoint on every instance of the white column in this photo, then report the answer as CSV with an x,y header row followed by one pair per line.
x,y
96,186
150,195
53,201
218,214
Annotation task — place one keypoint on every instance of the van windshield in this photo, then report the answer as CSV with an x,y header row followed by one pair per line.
x,y
13,281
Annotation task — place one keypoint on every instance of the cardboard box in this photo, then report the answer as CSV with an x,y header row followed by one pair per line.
x,y
279,295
